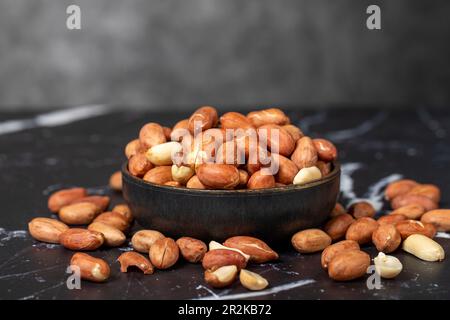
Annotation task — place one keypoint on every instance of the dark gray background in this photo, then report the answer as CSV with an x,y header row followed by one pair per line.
x,y
180,53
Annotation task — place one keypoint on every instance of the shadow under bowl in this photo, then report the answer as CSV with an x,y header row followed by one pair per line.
x,y
273,215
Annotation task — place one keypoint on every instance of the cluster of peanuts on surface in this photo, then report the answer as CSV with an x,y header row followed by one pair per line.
x,y
411,225
84,224
259,150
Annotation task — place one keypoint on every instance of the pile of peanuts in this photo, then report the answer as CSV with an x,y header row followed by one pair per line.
x,y
259,150
411,225
84,224
195,154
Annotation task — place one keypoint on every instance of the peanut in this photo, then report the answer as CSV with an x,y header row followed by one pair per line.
x,y
221,277
164,253
159,175
337,227
235,120
167,133
294,131
243,177
173,184
180,130
268,116
307,175
411,211
194,183
79,213
102,202
115,181
214,245
386,238
124,210
331,251
305,153
161,154
133,148
144,239
423,248
361,230
287,170
230,153
324,167
222,257
134,259
114,219
64,197
337,210
252,281
113,237
260,180
407,199
257,249
205,117
46,230
391,219
192,249
361,209
430,191
387,267
151,135
310,240
182,174
218,176
398,188
92,269
326,151
439,218
409,227
81,239
138,165
348,265
282,143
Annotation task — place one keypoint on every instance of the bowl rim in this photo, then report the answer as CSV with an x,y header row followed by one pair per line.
x,y
289,188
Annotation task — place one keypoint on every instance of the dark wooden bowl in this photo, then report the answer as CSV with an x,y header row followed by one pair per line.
x,y
273,215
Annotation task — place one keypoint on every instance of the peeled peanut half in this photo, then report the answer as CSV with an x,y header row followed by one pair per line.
x,y
387,267
424,248
222,277
182,174
252,280
161,154
307,175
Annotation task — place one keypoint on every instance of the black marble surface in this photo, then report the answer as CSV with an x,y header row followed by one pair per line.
x,y
39,154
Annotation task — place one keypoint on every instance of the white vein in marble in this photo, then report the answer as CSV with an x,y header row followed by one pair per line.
x,y
361,129
245,295
347,182
6,235
443,235
375,192
432,124
54,118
